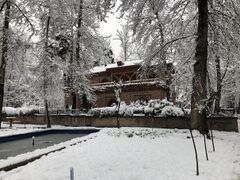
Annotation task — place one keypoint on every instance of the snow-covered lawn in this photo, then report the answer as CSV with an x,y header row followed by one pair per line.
x,y
139,154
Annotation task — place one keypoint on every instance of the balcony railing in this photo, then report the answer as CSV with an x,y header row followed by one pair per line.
x,y
128,82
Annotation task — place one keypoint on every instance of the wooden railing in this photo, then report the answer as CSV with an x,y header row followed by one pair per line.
x,y
126,82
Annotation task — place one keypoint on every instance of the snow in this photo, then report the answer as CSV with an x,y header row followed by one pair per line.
x,y
10,111
153,107
99,69
172,111
18,129
26,128
157,82
137,153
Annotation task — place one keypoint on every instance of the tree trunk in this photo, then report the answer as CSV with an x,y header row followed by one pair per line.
x,y
4,54
165,74
125,49
47,113
85,103
211,92
70,72
79,25
45,74
165,70
216,37
78,45
198,99
74,100
219,83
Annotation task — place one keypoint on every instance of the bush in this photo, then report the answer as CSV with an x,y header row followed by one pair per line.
x,y
153,107
10,111
172,111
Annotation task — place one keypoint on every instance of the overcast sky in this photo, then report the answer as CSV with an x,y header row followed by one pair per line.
x,y
110,29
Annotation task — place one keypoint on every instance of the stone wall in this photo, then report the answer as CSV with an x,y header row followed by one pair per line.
x,y
218,123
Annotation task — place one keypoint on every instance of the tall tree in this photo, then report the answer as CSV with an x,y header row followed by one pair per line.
x,y
157,26
88,47
223,45
78,50
17,83
199,93
11,12
4,51
45,71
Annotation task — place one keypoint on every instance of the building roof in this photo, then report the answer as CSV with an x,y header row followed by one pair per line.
x,y
99,69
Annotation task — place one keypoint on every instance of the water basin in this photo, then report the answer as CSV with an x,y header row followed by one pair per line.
x,y
18,144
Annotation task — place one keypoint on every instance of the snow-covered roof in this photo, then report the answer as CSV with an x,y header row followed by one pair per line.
x,y
103,68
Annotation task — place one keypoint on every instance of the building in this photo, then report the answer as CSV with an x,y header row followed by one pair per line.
x,y
134,87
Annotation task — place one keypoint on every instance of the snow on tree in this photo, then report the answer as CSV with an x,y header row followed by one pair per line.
x,y
124,37
10,12
87,48
158,26
223,47
118,90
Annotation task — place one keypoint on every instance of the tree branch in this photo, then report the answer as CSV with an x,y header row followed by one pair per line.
x,y
31,25
170,42
2,5
225,72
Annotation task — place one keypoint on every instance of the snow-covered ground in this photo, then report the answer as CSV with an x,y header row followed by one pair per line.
x,y
138,153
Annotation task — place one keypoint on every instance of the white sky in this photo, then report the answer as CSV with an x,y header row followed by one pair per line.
x,y
110,29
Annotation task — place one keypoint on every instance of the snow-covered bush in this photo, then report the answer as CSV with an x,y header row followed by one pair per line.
x,y
187,111
125,110
153,107
149,110
104,111
10,111
129,109
138,107
164,103
172,111
110,111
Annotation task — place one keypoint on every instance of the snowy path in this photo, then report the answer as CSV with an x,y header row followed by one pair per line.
x,y
138,154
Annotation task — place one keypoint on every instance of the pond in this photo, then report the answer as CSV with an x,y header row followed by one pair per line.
x,y
18,144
